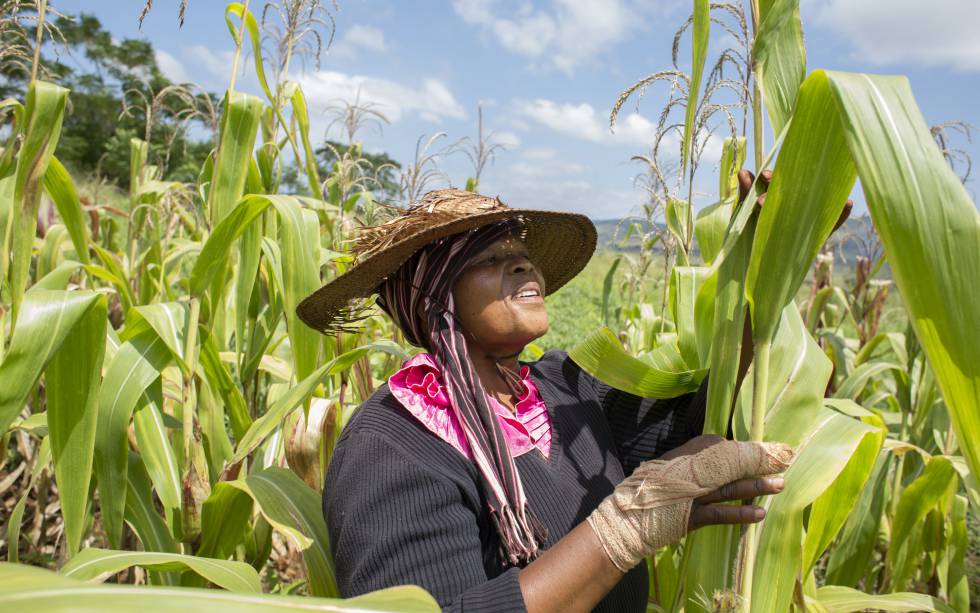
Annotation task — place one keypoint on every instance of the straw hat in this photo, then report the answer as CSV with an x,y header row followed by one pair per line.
x,y
559,244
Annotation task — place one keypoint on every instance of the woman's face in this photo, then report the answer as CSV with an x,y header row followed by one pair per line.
x,y
499,299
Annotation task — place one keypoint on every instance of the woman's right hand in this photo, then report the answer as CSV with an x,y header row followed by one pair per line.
x,y
665,498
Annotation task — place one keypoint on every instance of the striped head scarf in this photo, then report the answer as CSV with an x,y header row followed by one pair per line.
x,y
425,282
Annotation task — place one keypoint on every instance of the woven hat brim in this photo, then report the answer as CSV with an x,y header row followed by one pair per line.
x,y
559,244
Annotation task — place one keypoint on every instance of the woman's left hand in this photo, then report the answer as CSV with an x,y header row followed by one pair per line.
x,y
706,512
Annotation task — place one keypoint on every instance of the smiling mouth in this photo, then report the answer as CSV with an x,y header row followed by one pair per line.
x,y
528,294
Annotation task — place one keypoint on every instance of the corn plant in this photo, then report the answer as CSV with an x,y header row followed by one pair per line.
x,y
164,380
868,444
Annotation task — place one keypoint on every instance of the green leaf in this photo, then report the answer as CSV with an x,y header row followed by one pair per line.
x,y
832,507
732,158
294,93
221,381
72,379
938,480
607,284
602,356
798,375
47,319
710,226
851,557
225,519
836,440
700,32
930,229
837,599
142,516
239,125
685,281
60,187
99,564
812,179
294,509
780,58
297,394
728,326
136,364
43,590
155,449
44,111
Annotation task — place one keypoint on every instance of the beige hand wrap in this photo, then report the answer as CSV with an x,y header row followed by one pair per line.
x,y
651,507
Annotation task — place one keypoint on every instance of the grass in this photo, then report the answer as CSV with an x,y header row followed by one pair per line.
x,y
577,308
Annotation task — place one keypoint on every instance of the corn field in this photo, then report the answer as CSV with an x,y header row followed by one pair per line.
x,y
167,420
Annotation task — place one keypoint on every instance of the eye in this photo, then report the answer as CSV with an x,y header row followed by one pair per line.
x,y
489,260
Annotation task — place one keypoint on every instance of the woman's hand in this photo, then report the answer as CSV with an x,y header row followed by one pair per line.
x,y
746,178
655,506
706,512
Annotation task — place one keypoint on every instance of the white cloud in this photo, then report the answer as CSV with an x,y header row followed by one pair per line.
x,y
583,122
541,179
506,138
359,38
216,63
904,31
431,100
567,34
171,67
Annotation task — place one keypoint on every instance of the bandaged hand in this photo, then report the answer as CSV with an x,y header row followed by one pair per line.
x,y
653,506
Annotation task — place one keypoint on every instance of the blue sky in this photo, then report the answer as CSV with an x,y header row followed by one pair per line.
x,y
547,73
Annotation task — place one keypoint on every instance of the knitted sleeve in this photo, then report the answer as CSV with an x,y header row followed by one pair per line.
x,y
394,521
646,428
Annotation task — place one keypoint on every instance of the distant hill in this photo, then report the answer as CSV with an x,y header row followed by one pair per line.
x,y
612,231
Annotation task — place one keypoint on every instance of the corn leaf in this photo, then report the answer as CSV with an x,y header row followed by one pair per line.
x,y
798,375
602,356
838,599
155,449
239,124
72,381
60,187
142,515
851,557
135,366
728,325
930,229
835,443
780,58
710,226
44,111
685,282
293,508
812,179
95,564
298,394
937,481
700,32
224,521
43,590
832,508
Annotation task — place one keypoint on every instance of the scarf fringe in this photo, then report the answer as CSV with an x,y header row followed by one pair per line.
x,y
520,537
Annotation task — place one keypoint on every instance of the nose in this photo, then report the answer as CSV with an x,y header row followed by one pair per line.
x,y
521,264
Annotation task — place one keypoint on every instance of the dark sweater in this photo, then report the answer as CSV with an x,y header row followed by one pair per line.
x,y
402,506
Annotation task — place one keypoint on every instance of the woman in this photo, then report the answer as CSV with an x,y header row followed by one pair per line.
x,y
496,485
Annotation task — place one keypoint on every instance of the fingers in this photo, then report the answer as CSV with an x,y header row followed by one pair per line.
x,y
744,489
745,180
718,514
844,214
765,179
